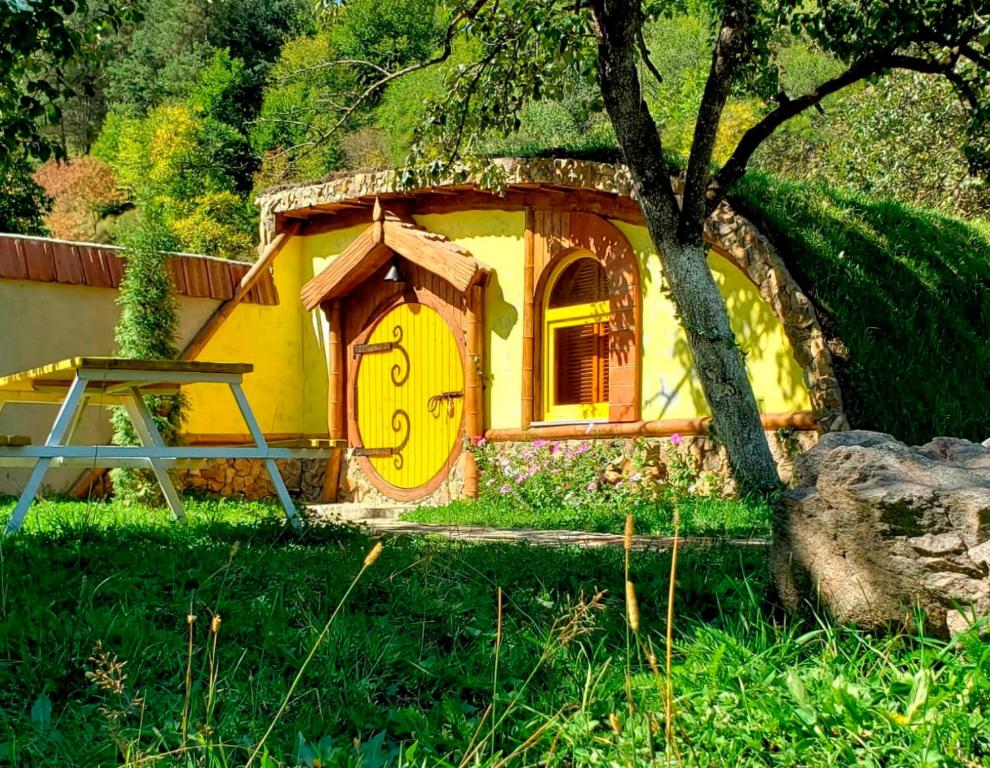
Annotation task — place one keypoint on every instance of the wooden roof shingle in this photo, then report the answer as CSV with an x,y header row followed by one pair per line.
x,y
47,260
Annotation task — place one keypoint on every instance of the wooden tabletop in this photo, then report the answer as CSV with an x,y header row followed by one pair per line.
x,y
61,373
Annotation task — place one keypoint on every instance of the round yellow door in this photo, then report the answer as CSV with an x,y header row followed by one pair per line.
x,y
409,395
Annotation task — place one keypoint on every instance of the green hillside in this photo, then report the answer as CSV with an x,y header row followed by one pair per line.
x,y
906,290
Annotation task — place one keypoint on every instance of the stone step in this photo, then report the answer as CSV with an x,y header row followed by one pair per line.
x,y
352,512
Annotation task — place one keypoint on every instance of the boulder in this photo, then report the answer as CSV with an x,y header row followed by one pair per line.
x,y
876,530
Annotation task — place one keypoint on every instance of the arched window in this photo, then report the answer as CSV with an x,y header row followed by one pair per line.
x,y
575,330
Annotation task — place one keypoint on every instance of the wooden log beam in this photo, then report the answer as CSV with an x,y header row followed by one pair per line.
x,y
264,262
474,408
799,420
335,397
528,319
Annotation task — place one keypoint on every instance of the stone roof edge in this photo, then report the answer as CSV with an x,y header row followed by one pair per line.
x,y
583,174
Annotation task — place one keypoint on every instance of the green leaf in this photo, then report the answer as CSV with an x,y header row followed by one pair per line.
x,y
41,712
918,697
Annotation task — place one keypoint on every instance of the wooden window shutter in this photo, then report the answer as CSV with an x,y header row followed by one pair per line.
x,y
581,364
582,282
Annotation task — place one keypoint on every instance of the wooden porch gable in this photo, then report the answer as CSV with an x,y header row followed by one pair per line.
x,y
373,248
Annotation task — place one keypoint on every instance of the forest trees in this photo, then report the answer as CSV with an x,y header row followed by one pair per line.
x,y
40,43
523,52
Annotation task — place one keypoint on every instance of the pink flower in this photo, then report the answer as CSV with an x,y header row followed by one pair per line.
x,y
479,441
504,489
554,449
539,443
593,486
676,439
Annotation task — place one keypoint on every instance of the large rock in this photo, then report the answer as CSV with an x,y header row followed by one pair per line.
x,y
875,530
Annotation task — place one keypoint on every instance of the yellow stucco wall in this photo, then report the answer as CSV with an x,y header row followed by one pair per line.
x,y
671,389
287,345
41,323
501,248
288,387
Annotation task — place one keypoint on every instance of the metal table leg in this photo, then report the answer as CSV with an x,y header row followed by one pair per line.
x,y
144,425
63,423
270,465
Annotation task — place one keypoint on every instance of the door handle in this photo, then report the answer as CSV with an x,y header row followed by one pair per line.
x,y
436,401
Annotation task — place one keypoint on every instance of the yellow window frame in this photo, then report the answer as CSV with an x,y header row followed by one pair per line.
x,y
566,317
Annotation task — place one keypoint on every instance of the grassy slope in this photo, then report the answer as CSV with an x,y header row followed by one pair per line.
x,y
410,660
906,290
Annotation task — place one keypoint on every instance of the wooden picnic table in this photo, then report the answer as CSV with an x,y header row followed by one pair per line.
x,y
108,381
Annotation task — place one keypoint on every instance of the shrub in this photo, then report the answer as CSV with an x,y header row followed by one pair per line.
x,y
83,191
147,330
23,202
547,476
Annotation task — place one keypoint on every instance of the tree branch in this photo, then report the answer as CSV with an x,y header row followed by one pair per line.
x,y
448,41
617,24
328,64
735,166
728,54
980,59
644,53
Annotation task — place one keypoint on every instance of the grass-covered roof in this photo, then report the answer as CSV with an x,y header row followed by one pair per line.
x,y
906,291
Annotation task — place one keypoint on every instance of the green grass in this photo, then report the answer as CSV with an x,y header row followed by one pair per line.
x,y
906,290
700,516
406,674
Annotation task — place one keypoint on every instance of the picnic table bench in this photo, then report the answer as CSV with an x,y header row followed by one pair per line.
x,y
107,381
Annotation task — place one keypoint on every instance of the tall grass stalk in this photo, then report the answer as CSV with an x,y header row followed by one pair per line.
x,y
212,686
632,614
190,622
575,623
369,560
668,700
498,649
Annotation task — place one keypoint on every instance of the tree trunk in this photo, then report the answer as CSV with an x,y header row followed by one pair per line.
x,y
702,311
719,363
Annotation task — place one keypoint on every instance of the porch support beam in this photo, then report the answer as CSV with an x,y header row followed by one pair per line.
x,y
528,319
474,405
335,398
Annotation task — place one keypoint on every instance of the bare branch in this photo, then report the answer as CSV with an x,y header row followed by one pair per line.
x,y
329,65
735,166
644,53
980,59
444,54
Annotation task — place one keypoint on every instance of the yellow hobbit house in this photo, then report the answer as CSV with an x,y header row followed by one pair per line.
x,y
410,322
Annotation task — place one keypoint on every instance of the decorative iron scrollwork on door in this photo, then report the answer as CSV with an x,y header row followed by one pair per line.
x,y
400,373
399,418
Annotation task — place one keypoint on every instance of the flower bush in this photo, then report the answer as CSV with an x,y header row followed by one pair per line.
x,y
547,476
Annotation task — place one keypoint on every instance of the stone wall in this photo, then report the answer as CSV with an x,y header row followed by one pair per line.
x,y
247,478
355,486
